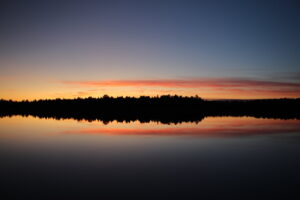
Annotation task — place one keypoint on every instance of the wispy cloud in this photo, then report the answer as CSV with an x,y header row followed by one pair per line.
x,y
207,87
193,83
289,76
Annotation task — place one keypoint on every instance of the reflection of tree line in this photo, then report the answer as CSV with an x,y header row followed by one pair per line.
x,y
165,109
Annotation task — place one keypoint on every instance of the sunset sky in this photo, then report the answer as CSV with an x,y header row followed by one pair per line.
x,y
214,49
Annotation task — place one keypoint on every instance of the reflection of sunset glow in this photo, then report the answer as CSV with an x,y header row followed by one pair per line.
x,y
15,127
209,127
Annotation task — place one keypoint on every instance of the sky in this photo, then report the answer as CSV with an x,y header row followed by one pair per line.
x,y
214,49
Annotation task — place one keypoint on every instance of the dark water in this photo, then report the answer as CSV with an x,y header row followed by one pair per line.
x,y
216,158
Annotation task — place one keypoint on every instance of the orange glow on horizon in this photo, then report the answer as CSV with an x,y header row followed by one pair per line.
x,y
207,88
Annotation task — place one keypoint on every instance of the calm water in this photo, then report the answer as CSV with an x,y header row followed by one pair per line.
x,y
218,157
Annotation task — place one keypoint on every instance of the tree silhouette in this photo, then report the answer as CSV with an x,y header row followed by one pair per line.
x,y
165,109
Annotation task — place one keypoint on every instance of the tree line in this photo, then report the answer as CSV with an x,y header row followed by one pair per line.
x,y
165,109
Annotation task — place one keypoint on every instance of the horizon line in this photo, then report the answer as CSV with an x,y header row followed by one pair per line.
x,y
151,96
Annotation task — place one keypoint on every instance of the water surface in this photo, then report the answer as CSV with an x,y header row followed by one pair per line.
x,y
220,157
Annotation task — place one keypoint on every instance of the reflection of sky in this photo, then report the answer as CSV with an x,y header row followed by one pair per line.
x,y
77,138
210,127
43,45
50,157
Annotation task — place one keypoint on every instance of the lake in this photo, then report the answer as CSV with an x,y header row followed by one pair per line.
x,y
218,157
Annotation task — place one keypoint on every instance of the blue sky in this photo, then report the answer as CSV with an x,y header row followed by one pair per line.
x,y
50,42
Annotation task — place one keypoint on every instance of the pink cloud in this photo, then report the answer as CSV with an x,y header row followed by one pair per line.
x,y
193,83
234,86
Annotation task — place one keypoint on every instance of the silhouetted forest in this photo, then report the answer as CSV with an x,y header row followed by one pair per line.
x,y
165,109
